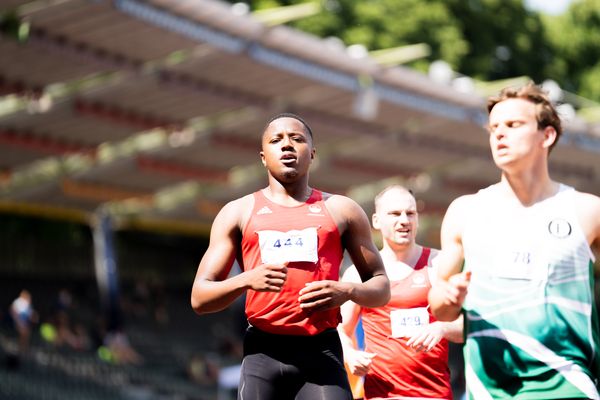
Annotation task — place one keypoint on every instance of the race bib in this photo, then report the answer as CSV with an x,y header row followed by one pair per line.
x,y
278,247
520,264
405,322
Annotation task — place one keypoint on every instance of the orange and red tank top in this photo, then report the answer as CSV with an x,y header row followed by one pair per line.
x,y
308,238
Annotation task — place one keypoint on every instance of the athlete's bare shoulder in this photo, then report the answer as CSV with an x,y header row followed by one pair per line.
x,y
236,212
431,265
341,206
337,199
587,207
345,211
462,205
239,204
587,200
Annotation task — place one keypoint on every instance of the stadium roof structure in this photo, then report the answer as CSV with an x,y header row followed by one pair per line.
x,y
152,110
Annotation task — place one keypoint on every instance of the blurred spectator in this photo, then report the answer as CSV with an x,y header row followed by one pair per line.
x,y
83,339
120,349
229,378
75,337
64,300
146,300
231,353
23,316
202,370
60,330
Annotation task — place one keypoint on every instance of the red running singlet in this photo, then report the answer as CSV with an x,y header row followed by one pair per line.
x,y
280,313
399,372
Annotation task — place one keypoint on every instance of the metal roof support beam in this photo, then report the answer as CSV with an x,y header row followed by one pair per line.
x,y
305,68
181,25
285,61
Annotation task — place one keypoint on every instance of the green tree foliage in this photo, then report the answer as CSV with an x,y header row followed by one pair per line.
x,y
380,24
575,38
485,39
505,39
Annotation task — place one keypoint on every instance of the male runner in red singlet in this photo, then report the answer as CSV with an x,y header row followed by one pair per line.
x,y
289,240
406,352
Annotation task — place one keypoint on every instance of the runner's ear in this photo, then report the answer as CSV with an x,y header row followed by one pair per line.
x,y
375,221
262,158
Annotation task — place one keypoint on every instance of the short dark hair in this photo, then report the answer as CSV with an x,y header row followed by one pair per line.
x,y
545,112
290,115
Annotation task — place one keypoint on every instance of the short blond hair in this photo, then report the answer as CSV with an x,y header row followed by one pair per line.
x,y
392,187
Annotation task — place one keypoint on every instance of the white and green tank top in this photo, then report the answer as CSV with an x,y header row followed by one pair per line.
x,y
531,323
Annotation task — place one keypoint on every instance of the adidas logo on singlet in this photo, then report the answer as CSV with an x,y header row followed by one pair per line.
x,y
264,210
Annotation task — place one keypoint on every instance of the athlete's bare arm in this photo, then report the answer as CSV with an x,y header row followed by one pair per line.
x,y
374,290
212,290
588,210
449,291
428,336
452,330
359,362
350,310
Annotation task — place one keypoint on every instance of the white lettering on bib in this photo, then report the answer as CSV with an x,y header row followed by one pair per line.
x,y
278,247
405,322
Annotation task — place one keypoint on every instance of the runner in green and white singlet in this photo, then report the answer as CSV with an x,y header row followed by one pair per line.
x,y
525,248
530,307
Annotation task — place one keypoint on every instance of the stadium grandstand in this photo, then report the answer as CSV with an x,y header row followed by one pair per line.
x,y
125,125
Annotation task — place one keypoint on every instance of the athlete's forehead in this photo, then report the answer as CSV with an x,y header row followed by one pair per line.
x,y
512,109
285,125
396,200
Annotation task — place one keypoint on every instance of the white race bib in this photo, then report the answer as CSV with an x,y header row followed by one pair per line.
x,y
405,322
278,247
520,264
